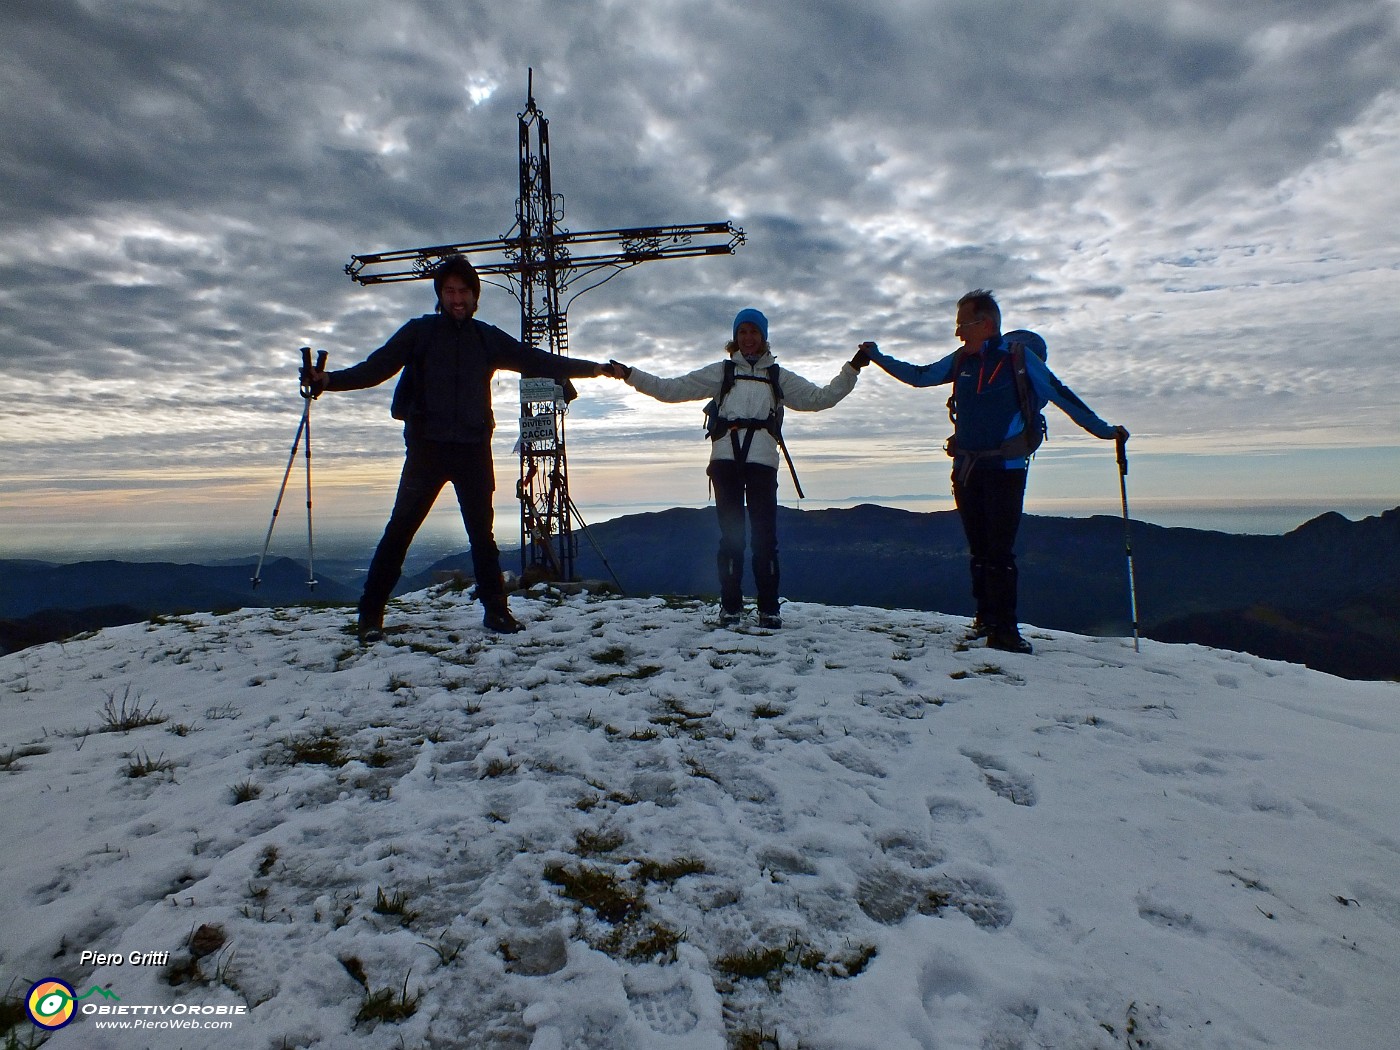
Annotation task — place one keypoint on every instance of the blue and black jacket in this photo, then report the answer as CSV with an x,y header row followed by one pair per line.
x,y
988,406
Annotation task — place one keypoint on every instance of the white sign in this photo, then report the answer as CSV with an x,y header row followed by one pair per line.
x,y
537,428
540,390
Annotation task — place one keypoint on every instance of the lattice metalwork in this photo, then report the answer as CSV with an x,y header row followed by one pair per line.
x,y
541,261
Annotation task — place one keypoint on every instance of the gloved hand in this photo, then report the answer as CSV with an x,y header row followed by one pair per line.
x,y
862,356
313,377
313,382
1121,434
617,370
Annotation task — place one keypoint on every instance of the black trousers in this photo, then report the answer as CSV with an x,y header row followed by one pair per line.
x,y
989,503
429,466
740,485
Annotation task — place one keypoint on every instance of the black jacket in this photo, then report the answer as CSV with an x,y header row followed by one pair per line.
x,y
445,391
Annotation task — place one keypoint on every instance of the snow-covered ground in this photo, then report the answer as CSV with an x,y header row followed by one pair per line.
x,y
625,828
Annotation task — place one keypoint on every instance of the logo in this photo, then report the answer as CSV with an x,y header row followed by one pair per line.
x,y
50,1003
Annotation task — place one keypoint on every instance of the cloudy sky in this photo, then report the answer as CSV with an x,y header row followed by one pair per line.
x,y
1193,202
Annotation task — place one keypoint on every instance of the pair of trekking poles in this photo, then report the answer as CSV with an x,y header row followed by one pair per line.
x,y
304,427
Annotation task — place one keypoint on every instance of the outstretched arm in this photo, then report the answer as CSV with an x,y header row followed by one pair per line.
x,y
1048,387
383,364
805,396
693,386
936,374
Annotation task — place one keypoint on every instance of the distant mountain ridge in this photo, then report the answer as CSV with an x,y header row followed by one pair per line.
x,y
1326,594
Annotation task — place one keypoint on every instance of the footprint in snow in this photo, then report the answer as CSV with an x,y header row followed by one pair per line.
x,y
1008,784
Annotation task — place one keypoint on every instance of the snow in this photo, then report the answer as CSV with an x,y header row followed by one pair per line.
x,y
854,832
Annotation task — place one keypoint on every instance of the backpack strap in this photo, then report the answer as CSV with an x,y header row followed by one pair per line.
x,y
716,426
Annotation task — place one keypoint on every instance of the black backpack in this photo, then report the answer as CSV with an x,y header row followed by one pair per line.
x,y
1034,432
717,426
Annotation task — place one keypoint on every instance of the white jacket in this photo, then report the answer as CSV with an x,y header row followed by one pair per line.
x,y
747,400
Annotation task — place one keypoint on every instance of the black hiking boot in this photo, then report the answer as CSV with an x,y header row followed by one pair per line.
x,y
728,618
1008,640
499,619
371,626
770,621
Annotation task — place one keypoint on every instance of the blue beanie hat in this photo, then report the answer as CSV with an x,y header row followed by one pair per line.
x,y
751,316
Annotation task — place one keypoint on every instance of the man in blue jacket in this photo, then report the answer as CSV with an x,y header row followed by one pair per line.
x,y
444,399
989,451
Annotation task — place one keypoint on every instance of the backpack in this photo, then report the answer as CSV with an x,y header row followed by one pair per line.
x,y
716,426
1024,444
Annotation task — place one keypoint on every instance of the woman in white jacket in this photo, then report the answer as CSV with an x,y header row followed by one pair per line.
x,y
744,448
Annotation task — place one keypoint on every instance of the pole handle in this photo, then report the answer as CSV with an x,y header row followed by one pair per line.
x,y
1122,444
306,369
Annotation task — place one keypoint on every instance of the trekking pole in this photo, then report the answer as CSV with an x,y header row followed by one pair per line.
x,y
791,469
597,550
303,427
1127,536
310,395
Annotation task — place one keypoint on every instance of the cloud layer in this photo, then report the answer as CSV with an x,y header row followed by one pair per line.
x,y
1190,200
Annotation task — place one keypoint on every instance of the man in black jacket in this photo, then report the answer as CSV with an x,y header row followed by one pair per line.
x,y
444,399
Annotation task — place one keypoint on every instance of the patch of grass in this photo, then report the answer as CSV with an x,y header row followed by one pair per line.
x,y
678,716
9,761
669,871
245,792
204,941
698,770
395,905
678,601
767,710
600,891
143,765
447,950
12,1013
267,860
615,656
593,843
752,1039
844,964
643,733
380,756
638,942
387,1006
500,767
125,714
316,749
754,963
355,969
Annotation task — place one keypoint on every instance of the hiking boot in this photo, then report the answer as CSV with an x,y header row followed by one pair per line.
x,y
771,621
500,620
371,626
729,619
1008,640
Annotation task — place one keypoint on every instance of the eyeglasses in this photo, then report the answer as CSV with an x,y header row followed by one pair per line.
x,y
969,323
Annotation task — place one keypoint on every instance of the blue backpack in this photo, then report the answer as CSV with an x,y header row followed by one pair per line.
x,y
1028,440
